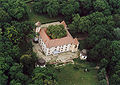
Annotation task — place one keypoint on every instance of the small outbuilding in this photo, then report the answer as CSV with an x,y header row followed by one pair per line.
x,y
38,24
40,62
83,54
35,40
38,27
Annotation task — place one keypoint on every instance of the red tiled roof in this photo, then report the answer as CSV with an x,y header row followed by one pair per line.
x,y
76,41
57,42
64,24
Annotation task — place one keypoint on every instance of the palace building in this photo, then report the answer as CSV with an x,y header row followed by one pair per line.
x,y
54,46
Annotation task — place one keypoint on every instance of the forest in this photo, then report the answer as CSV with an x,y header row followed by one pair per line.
x,y
99,19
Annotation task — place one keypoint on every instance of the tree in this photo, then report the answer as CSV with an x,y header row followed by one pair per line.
x,y
101,74
80,24
69,8
16,75
115,6
104,63
40,7
14,82
3,78
85,24
117,33
15,53
24,35
100,5
4,17
116,18
43,76
115,48
101,31
115,79
12,34
28,62
75,23
85,7
100,51
56,31
53,8
16,68
4,66
16,11
103,82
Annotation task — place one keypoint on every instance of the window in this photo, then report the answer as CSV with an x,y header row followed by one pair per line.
x,y
75,46
65,49
55,49
48,50
59,49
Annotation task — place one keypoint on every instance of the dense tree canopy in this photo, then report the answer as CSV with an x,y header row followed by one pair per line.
x,y
85,23
99,19
28,62
4,16
40,7
15,8
53,8
44,76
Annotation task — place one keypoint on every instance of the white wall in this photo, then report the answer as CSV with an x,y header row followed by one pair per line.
x,y
42,45
64,48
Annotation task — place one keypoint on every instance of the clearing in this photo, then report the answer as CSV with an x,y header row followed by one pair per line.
x,y
68,75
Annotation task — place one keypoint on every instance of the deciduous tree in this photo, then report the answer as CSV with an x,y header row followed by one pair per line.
x,y
4,16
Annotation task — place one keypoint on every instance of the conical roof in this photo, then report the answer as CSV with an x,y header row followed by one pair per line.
x,y
41,62
84,51
38,24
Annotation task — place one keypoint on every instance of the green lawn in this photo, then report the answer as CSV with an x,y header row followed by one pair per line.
x,y
42,18
69,76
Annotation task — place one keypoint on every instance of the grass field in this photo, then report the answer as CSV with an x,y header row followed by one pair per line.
x,y
42,18
69,76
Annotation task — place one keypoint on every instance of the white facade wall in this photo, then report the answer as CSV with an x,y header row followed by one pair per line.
x,y
60,49
74,48
42,45
64,48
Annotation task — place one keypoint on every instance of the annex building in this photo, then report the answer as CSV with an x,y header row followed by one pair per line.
x,y
54,46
